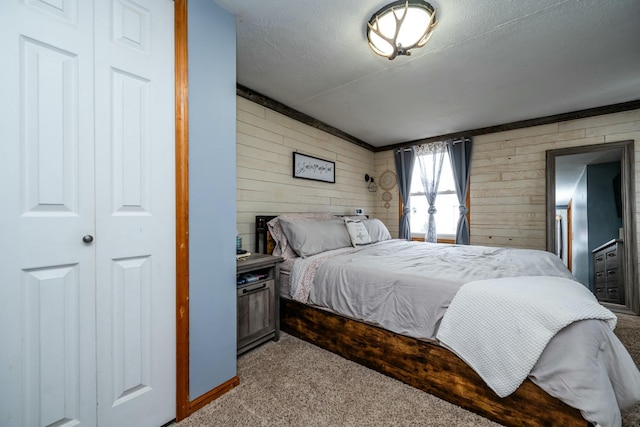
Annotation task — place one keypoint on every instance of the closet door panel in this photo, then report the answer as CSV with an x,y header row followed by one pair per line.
x,y
87,216
47,292
135,212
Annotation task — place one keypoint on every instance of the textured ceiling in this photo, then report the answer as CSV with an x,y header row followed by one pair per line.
x,y
489,62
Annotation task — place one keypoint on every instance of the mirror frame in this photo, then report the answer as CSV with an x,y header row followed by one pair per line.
x,y
631,305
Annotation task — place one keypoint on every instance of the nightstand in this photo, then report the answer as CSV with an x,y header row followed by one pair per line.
x,y
258,292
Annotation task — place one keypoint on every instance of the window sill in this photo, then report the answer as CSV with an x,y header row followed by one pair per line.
x,y
442,239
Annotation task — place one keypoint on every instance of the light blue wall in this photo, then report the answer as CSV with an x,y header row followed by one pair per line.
x,y
212,196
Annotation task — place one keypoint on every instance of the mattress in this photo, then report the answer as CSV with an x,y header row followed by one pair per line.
x,y
285,277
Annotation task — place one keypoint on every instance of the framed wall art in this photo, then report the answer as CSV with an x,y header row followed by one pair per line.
x,y
309,167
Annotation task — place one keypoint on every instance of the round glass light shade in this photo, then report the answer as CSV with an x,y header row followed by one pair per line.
x,y
401,26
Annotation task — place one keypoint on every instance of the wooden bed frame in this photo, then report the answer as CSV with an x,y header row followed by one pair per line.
x,y
419,363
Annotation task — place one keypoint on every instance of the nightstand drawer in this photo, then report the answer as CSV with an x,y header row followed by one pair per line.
x,y
256,316
257,300
254,287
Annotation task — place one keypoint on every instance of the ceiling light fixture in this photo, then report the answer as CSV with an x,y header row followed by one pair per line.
x,y
401,26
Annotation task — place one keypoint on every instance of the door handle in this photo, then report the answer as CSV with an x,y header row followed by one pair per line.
x,y
257,288
87,239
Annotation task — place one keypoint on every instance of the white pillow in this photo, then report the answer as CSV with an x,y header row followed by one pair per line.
x,y
357,232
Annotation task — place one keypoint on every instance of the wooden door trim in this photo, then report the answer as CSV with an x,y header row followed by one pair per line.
x,y
182,208
627,162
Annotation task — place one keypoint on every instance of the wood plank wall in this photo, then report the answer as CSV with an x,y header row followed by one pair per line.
x,y
265,141
508,187
384,161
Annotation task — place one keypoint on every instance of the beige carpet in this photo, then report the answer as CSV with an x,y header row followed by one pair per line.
x,y
293,383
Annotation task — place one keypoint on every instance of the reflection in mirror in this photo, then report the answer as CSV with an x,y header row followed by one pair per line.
x,y
590,219
585,181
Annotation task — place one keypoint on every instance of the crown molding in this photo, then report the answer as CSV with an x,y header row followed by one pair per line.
x,y
274,105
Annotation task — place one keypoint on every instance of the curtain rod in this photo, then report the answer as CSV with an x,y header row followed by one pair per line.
x,y
453,141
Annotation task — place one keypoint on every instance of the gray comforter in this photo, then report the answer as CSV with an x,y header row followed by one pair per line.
x,y
406,288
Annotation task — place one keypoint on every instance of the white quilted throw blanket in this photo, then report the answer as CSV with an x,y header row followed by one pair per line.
x,y
500,327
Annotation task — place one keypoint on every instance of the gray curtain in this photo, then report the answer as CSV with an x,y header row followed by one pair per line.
x,y
460,156
430,158
404,171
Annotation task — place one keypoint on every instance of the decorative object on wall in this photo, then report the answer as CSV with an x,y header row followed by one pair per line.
x,y
373,187
386,196
401,26
387,182
309,167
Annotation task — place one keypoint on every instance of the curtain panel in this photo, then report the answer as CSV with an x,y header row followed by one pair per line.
x,y
404,159
430,158
460,157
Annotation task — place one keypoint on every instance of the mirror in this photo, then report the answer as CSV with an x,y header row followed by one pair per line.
x,y
591,219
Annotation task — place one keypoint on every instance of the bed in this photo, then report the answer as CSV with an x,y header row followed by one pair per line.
x,y
346,286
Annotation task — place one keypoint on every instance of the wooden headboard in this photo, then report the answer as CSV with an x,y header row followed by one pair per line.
x,y
262,235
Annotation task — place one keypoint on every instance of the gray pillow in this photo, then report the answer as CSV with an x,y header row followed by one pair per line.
x,y
310,238
377,230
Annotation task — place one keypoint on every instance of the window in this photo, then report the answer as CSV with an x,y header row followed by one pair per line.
x,y
447,204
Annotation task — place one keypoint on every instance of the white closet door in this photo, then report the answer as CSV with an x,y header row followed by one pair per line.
x,y
135,212
47,292
87,327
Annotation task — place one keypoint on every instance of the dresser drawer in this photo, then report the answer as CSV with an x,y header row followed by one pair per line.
x,y
608,272
598,261
614,295
600,292
611,276
611,259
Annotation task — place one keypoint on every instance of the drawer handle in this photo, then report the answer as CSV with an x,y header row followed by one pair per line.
x,y
257,288
600,258
611,272
611,254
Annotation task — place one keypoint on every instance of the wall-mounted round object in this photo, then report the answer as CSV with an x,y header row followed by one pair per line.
x,y
387,180
386,196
